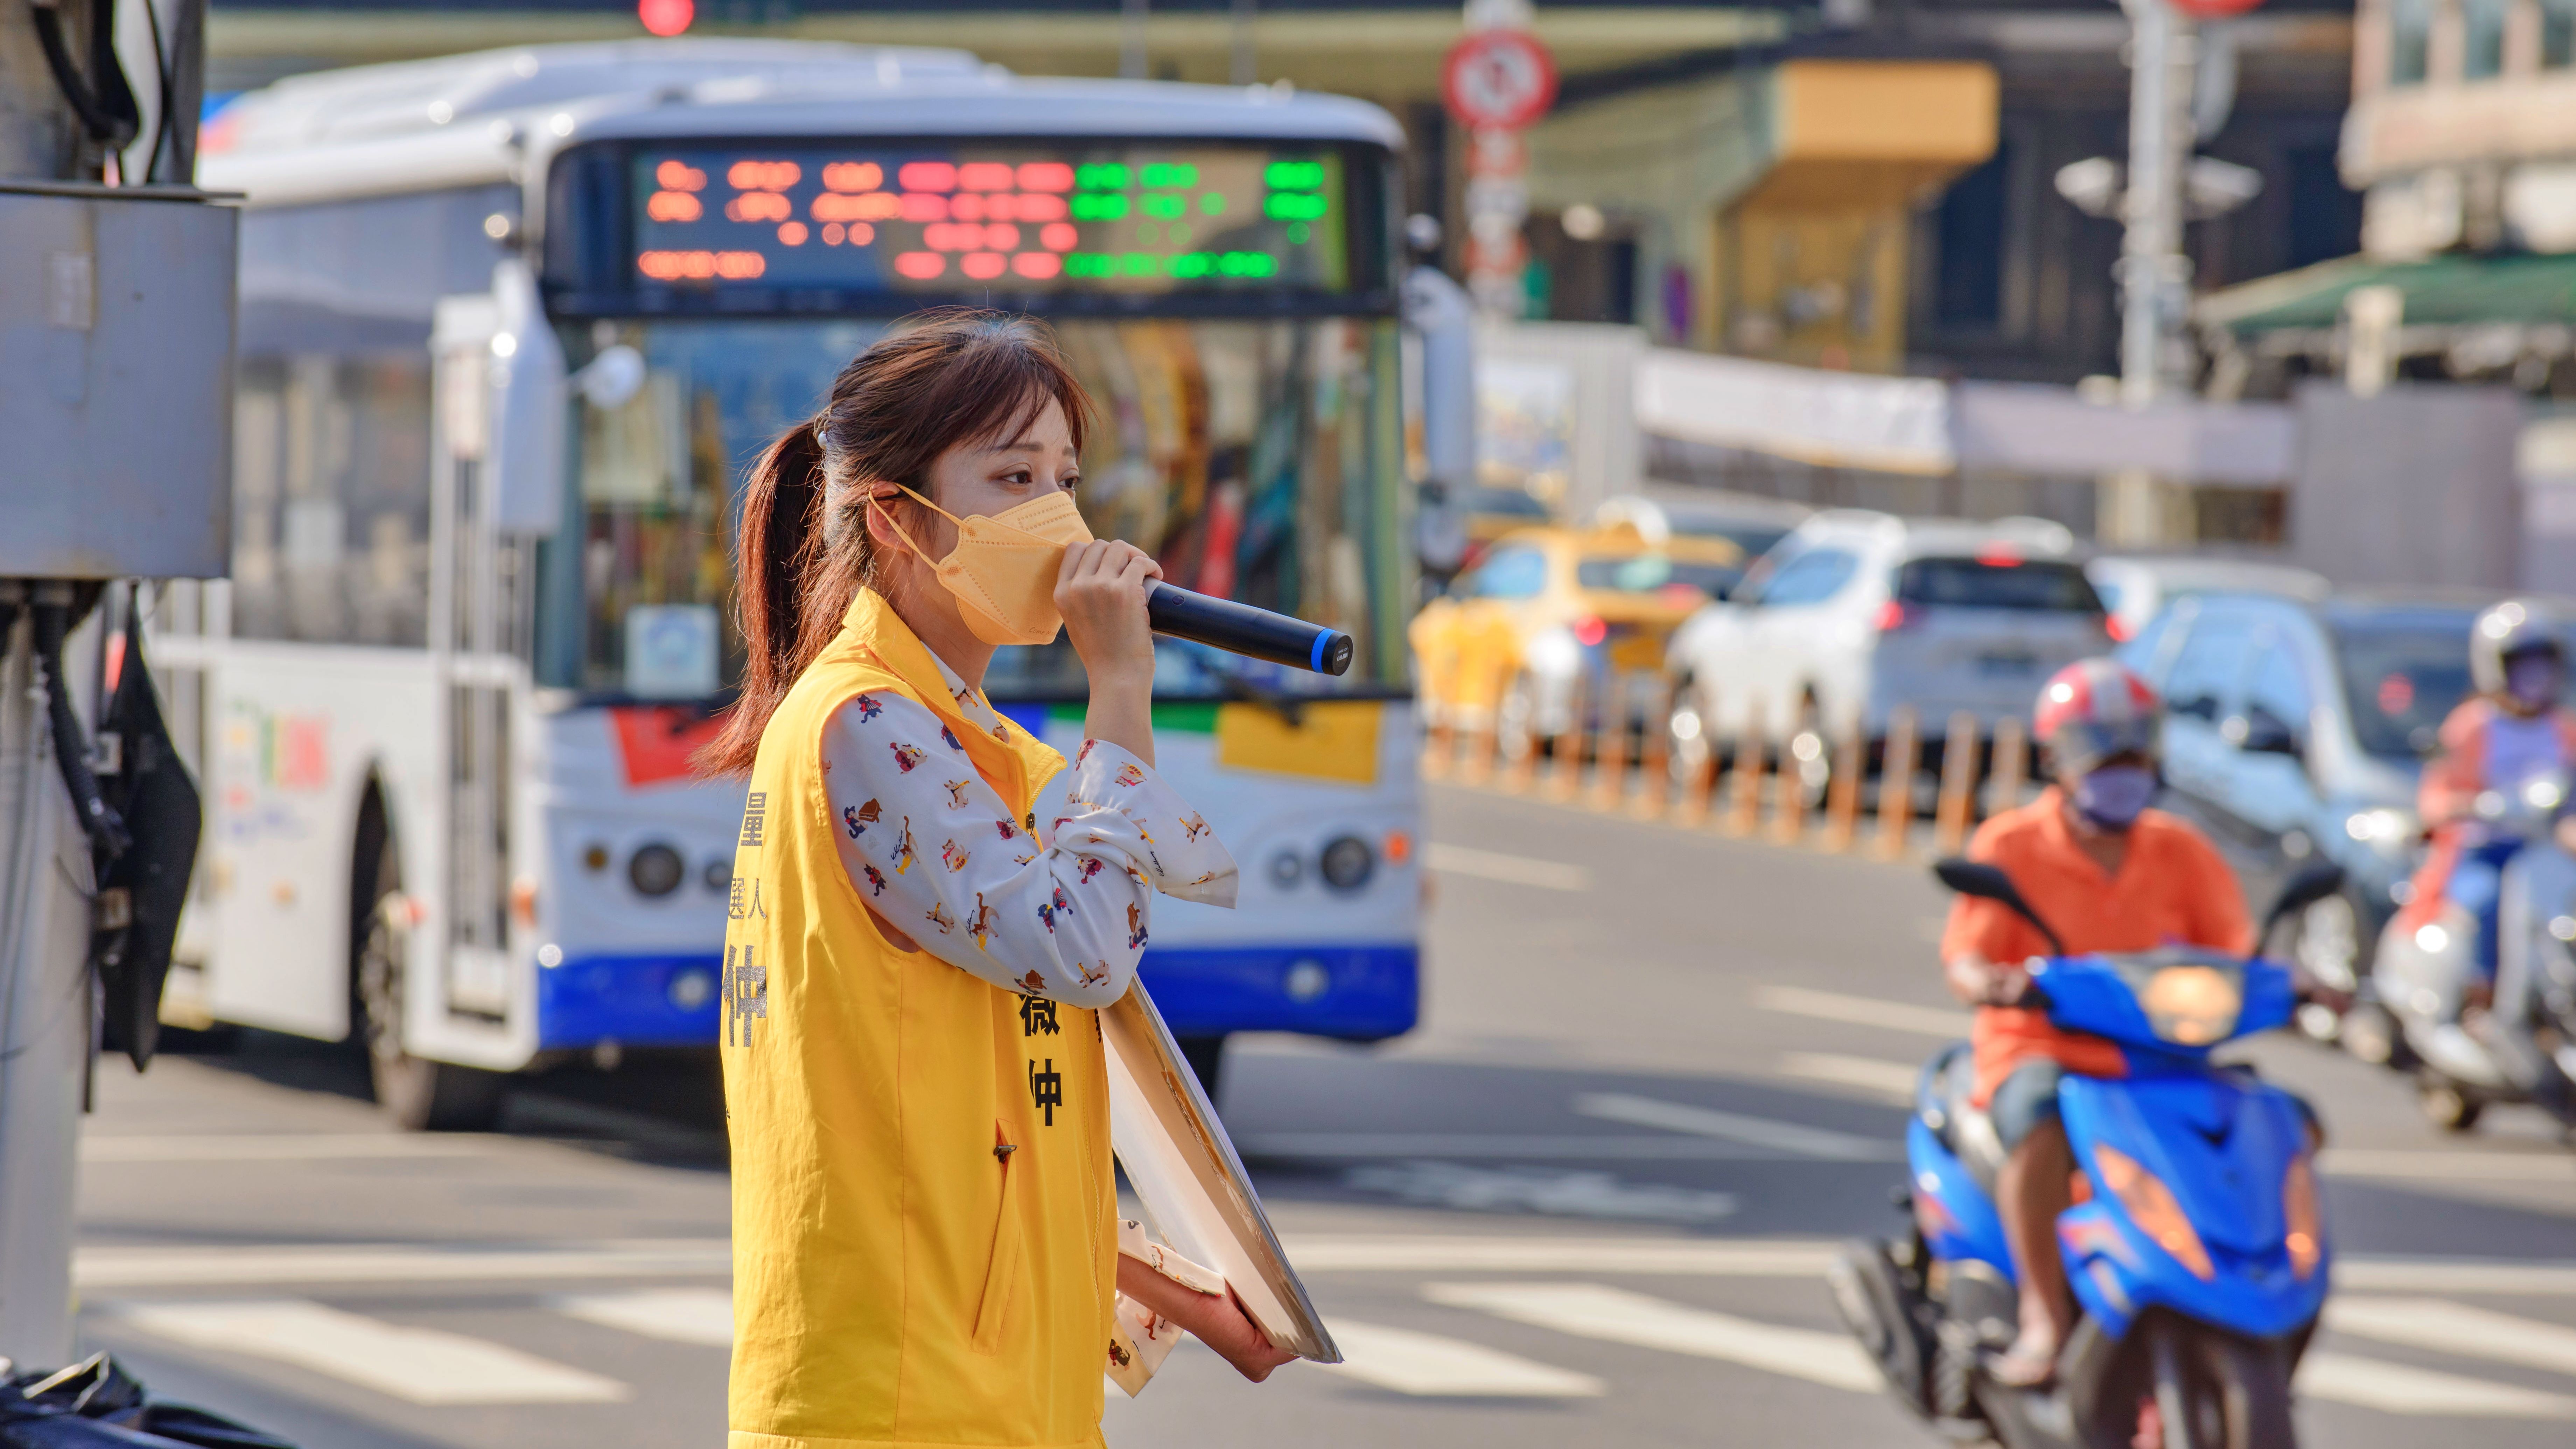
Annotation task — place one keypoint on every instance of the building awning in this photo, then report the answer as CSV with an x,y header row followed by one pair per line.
x,y
2448,291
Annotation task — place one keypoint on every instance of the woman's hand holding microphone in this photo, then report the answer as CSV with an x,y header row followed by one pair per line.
x,y
1100,590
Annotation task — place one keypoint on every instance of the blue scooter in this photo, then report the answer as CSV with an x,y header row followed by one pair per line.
x,y
2198,1257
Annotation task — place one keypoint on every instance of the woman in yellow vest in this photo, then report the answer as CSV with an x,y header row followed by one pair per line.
x,y
926,1249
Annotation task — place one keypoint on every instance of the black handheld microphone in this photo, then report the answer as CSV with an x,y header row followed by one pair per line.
x,y
1243,629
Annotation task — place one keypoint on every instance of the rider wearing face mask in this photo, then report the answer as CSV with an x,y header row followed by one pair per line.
x,y
2108,874
2511,733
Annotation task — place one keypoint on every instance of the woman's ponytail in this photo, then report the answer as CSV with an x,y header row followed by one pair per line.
x,y
780,544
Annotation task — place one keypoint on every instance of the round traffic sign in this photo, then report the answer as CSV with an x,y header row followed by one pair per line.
x,y
1501,78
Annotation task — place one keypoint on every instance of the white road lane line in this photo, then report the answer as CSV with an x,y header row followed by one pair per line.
x,y
1862,1011
1894,1081
1694,1257
1490,1147
2456,1275
1736,1127
1509,869
282,1147
2396,1388
222,1264
2457,1328
1590,1310
1428,1365
680,1315
2403,1164
416,1365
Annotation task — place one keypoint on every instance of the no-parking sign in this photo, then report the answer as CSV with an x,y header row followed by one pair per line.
x,y
1502,79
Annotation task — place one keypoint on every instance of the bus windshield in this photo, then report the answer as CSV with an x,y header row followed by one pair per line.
x,y
1257,459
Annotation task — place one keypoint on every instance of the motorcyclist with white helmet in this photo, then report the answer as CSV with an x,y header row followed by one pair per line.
x,y
2509,735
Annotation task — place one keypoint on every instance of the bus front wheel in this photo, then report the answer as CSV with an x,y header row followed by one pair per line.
x,y
419,1094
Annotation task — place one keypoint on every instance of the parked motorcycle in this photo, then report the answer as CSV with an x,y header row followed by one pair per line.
x,y
2470,1043
2197,1248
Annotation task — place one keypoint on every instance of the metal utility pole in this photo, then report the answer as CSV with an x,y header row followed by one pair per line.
x,y
1132,18
119,299
2154,276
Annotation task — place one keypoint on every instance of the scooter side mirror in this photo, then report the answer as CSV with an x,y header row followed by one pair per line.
x,y
2314,882
1986,882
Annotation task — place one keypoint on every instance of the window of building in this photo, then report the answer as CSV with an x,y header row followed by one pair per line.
x,y
2410,37
2557,33
1969,237
2483,21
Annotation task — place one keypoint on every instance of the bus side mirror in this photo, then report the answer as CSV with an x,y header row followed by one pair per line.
x,y
528,396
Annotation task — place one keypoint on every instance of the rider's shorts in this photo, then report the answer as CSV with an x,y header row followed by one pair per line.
x,y
2027,1098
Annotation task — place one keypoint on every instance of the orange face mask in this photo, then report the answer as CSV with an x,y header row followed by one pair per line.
x,y
1004,566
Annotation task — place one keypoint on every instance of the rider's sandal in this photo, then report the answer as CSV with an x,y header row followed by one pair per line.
x,y
2018,1367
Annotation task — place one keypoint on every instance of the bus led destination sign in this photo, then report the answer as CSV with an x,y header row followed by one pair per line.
x,y
938,221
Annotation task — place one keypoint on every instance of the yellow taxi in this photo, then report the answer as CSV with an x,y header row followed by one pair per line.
x,y
1545,606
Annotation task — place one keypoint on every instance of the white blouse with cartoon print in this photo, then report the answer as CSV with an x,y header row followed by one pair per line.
x,y
1055,907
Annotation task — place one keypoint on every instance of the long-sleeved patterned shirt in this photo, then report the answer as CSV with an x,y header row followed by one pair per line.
x,y
1059,907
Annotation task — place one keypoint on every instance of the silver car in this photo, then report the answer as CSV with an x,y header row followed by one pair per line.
x,y
1856,614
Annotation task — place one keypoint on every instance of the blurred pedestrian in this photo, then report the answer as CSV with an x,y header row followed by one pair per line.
x,y
926,1248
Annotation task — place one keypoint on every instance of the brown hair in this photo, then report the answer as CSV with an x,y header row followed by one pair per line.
x,y
954,377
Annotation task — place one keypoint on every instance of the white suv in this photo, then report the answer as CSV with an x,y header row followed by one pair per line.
x,y
1856,613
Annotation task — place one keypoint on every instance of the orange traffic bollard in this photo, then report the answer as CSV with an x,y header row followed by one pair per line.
x,y
1610,754
1789,794
1655,761
1842,792
1752,754
1896,782
1958,785
1485,741
1700,785
2012,765
1565,778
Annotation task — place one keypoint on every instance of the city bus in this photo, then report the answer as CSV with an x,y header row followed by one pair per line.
x,y
513,326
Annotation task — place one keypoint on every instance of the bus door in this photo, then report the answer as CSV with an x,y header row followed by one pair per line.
x,y
460,1009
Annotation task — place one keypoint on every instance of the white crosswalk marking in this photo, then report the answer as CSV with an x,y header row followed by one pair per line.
x,y
2457,1328
1509,869
681,1315
2396,1388
1863,1011
1735,1127
1894,1081
417,1365
1426,1364
1590,1310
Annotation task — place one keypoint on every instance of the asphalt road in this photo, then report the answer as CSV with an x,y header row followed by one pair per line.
x,y
1586,1203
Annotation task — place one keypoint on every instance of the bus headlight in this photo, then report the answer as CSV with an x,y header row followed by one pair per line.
x,y
1348,863
655,870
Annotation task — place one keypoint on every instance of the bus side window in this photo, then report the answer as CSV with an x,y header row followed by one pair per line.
x,y
331,438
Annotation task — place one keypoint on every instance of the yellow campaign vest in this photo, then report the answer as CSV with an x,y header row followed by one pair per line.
x,y
899,1278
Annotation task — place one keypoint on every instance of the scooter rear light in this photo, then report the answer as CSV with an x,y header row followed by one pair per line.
x,y
2151,1205
2307,1235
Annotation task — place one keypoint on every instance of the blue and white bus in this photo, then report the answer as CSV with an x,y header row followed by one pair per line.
x,y
513,325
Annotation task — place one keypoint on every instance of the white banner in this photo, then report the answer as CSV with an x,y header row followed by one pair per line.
x,y
1832,419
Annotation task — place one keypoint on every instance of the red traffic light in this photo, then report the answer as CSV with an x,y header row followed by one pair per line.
x,y
666,17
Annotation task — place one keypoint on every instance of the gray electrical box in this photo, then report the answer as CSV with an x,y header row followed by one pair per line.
x,y
116,381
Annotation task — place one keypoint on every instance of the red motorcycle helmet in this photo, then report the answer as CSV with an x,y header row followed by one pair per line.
x,y
2095,709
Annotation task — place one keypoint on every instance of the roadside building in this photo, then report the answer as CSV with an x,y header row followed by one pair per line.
x,y
1830,183
2462,141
